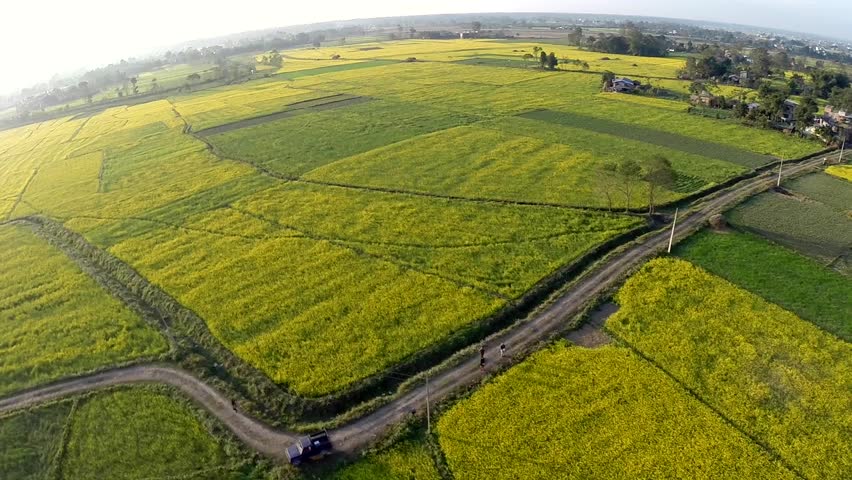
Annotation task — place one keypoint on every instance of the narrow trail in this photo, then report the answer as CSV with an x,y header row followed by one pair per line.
x,y
362,432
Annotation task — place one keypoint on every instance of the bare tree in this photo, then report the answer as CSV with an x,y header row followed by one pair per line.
x,y
659,174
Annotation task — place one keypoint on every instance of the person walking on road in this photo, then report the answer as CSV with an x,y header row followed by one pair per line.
x,y
482,351
502,350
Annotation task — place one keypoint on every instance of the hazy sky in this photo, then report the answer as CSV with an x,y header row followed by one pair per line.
x,y
42,37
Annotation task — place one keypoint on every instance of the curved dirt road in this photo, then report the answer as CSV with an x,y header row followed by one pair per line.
x,y
362,432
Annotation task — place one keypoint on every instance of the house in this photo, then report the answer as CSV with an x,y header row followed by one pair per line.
x,y
623,85
704,98
788,114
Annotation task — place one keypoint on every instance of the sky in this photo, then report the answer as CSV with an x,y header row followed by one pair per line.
x,y
41,37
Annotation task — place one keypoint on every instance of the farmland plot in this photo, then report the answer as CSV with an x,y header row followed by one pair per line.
x,y
810,227
569,412
777,274
827,189
30,440
551,164
408,459
140,433
321,301
56,320
775,376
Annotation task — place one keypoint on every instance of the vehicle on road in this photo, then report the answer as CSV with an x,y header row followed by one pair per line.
x,y
309,448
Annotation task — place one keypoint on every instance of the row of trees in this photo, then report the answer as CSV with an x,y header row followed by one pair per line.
x,y
631,41
624,177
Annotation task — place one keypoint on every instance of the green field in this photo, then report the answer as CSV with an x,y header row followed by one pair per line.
x,y
405,460
827,189
569,412
326,245
813,228
128,433
30,441
777,274
137,433
775,376
383,266
56,320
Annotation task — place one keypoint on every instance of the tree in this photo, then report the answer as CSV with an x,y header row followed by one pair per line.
x,y
543,59
659,174
527,57
805,113
630,173
575,37
535,51
84,89
552,62
608,180
154,86
607,78
476,26
760,62
134,81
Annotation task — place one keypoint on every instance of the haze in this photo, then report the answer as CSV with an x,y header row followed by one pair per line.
x,y
41,38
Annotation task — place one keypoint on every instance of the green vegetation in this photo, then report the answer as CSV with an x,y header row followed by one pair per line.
x,y
569,412
653,136
829,190
778,378
382,267
810,227
779,275
140,433
405,460
284,147
56,320
30,440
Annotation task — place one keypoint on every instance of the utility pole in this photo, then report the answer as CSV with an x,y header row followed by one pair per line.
x,y
780,167
843,147
674,224
428,412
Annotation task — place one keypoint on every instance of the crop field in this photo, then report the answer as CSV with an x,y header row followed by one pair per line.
x,y
808,226
559,165
282,145
29,442
383,266
782,276
840,171
139,433
56,320
826,189
304,226
773,375
130,433
405,460
570,412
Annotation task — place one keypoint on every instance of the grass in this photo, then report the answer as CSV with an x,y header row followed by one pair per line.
x,y
405,460
30,440
381,267
780,379
810,227
559,165
56,320
570,412
326,69
650,135
826,189
296,145
140,433
777,274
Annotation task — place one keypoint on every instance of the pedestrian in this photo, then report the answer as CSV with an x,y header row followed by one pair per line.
x,y
482,363
502,350
482,351
234,404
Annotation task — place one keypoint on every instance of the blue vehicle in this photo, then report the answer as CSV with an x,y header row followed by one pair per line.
x,y
309,448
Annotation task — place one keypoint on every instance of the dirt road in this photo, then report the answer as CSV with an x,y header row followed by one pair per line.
x,y
363,431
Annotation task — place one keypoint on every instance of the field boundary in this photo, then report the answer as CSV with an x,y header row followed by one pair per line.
x,y
719,413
